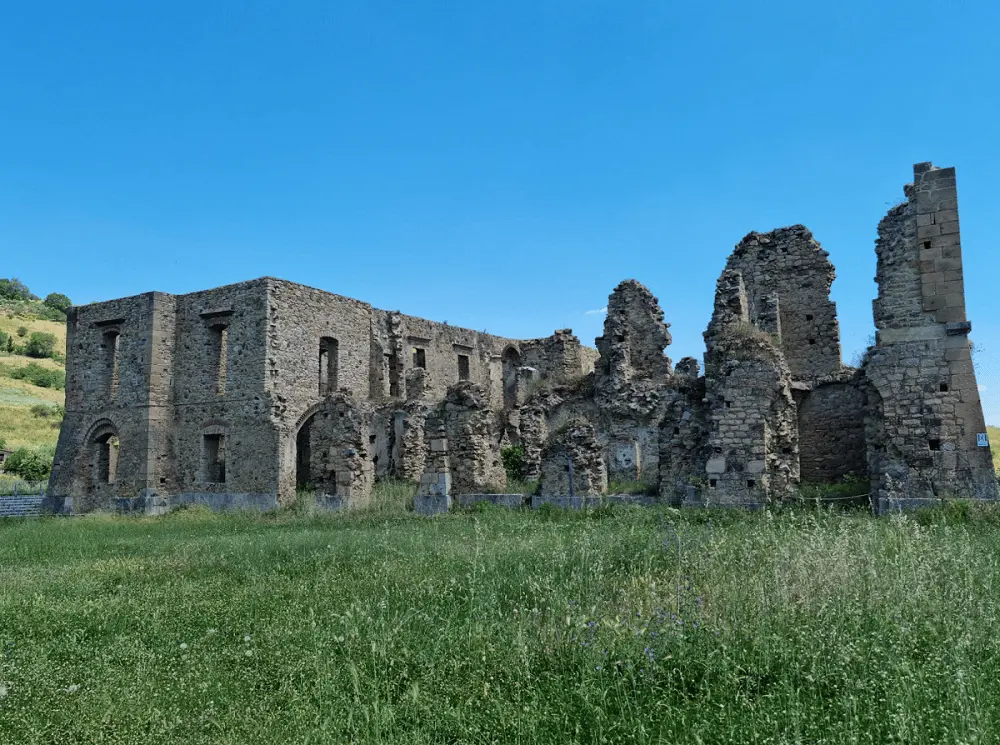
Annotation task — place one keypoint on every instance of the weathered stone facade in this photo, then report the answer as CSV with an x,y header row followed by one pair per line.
x,y
242,395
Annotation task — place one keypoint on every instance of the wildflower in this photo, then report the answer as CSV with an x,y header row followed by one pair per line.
x,y
71,689
213,631
4,689
249,653
184,645
247,638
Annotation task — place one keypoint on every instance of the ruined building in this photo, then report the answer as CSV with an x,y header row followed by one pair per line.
x,y
244,395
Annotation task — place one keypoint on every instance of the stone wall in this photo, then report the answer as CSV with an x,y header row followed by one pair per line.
x,y
787,276
832,432
576,441
752,438
924,398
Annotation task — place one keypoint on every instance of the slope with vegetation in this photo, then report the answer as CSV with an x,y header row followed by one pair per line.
x,y
32,377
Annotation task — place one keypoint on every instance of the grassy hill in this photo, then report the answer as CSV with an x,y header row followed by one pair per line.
x,y
30,414
995,446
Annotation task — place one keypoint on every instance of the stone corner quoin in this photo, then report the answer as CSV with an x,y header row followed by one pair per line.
x,y
243,395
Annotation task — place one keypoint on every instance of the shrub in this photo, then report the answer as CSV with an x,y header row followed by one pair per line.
x,y
30,465
22,331
37,375
58,301
40,345
46,411
513,462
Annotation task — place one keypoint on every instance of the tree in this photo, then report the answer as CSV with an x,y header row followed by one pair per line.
x,y
40,345
58,301
15,289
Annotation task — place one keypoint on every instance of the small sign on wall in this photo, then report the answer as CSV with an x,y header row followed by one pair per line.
x,y
982,440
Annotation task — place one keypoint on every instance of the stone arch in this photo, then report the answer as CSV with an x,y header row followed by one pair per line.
x,y
831,421
301,441
102,449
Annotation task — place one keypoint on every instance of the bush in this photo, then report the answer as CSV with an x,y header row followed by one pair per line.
x,y
5,341
513,462
22,331
15,289
40,345
58,301
37,375
30,465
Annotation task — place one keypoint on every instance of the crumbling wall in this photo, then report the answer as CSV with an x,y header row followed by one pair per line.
x,y
559,358
473,440
923,393
335,450
576,442
787,276
751,421
683,443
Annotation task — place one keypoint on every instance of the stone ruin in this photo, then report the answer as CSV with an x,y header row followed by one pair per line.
x,y
247,395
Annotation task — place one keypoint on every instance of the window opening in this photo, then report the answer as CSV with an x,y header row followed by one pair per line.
x,y
215,459
463,367
751,484
220,346
419,358
944,388
934,444
107,459
111,352
329,365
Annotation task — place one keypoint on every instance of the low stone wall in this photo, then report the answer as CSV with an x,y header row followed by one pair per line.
x,y
21,506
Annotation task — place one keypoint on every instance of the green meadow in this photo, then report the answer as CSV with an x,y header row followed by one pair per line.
x,y
617,626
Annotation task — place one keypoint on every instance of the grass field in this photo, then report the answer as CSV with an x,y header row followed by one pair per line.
x,y
994,433
627,626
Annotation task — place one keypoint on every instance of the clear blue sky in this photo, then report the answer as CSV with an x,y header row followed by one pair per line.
x,y
499,165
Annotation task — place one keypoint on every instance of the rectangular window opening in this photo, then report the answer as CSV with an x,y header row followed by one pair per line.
x,y
111,361
463,367
215,459
220,347
809,316
751,484
934,444
677,430
712,483
812,341
419,358
927,245
329,364
944,388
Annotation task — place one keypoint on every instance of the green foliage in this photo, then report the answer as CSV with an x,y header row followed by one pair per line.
x,y
29,464
632,487
58,301
48,411
40,345
22,331
35,374
513,462
643,626
15,289
849,491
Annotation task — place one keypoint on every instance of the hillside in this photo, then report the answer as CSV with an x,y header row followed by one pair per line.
x,y
32,374
995,446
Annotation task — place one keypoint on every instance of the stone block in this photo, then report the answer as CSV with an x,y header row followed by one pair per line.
x,y
431,504
716,465
510,501
564,502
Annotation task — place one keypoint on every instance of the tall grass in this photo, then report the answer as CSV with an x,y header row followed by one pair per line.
x,y
623,626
